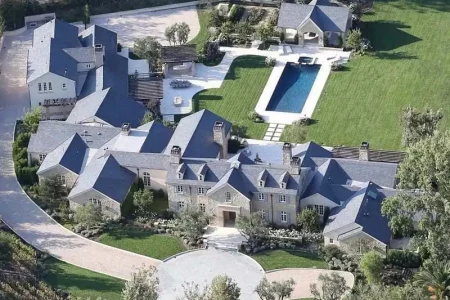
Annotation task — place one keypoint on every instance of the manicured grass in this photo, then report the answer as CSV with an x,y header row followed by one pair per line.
x,y
410,65
81,282
203,35
157,246
279,259
238,94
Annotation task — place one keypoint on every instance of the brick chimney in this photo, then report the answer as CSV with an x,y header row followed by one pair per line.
x,y
220,138
364,153
287,153
175,155
125,129
295,166
99,55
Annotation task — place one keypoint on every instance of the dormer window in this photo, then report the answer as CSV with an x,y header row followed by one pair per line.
x,y
283,185
261,183
200,177
180,175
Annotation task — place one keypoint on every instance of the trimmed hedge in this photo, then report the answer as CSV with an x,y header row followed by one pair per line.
x,y
25,175
403,258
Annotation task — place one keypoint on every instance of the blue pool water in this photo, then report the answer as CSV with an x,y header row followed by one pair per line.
x,y
293,88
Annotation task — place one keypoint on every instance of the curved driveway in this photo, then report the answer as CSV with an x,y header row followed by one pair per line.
x,y
16,209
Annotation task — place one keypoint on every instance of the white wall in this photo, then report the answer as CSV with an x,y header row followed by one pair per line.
x,y
57,92
317,199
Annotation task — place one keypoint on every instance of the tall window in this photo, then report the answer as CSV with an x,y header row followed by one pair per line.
x,y
146,178
42,157
95,202
202,207
227,197
201,190
319,209
283,216
61,180
261,196
64,86
283,198
180,204
50,86
179,189
40,87
45,86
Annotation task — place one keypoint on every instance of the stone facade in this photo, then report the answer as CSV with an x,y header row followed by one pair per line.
x,y
110,207
60,171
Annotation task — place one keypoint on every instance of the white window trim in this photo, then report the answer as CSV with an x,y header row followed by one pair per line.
x,y
180,175
181,205
261,197
201,190
202,207
146,179
64,86
283,213
95,201
50,88
200,177
331,241
283,185
61,180
180,189
283,198
228,197
42,157
261,183
318,209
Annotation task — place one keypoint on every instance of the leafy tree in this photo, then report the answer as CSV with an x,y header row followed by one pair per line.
x,y
296,133
266,31
171,33
239,129
333,287
224,288
142,201
192,291
148,117
275,290
183,31
31,120
142,286
309,220
211,50
149,48
356,8
434,276
225,31
377,292
88,214
399,210
51,190
193,221
418,125
214,18
252,226
87,15
354,40
372,265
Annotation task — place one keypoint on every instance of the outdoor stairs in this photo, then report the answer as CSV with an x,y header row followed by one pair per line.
x,y
222,246
274,132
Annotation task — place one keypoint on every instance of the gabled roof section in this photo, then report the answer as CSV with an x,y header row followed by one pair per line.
x,y
178,54
106,176
70,154
157,139
263,175
309,150
81,54
194,134
97,35
234,179
241,158
320,2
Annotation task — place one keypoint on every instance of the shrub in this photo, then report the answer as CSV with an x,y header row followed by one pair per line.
x,y
309,220
282,37
253,115
27,175
336,66
372,265
332,251
273,17
256,15
22,140
270,61
403,258
233,145
235,13
215,19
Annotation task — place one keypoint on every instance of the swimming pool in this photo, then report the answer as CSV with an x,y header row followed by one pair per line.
x,y
293,88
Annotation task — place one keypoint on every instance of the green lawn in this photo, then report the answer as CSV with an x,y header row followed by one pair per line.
x,y
410,65
203,35
81,282
238,94
278,259
157,246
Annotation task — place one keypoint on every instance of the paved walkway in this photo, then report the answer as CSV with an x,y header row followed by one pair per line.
x,y
17,210
304,277
274,132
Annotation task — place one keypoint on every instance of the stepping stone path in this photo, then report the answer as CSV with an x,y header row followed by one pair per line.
x,y
274,132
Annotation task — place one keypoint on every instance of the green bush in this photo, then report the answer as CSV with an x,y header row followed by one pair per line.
x,y
403,258
27,175
332,251
234,145
256,15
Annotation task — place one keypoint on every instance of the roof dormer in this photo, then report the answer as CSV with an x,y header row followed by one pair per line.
x,y
284,180
201,174
262,178
180,171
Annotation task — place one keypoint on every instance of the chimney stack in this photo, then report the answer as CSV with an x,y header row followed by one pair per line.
x,y
295,166
364,153
99,55
175,155
126,128
220,138
287,153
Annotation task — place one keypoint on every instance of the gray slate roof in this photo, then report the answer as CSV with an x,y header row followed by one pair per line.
x,y
107,177
308,150
327,18
194,134
157,139
156,161
70,154
81,54
97,35
363,209
51,134
174,54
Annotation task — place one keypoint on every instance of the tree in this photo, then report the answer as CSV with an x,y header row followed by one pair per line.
x,y
266,31
193,221
356,8
87,15
398,210
183,31
239,129
51,190
211,50
296,133
354,40
88,214
377,292
192,291
372,265
333,287
309,220
149,48
142,286
275,290
252,226
148,117
171,33
142,201
224,288
225,31
434,276
31,120
418,125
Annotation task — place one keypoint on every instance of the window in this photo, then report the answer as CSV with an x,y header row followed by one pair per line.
x,y
263,213
64,86
261,197
261,183
331,241
180,204
50,86
45,86
40,87
283,198
202,207
61,180
42,157
227,197
180,175
88,65
201,190
283,217
146,179
95,202
200,177
179,189
283,185
319,209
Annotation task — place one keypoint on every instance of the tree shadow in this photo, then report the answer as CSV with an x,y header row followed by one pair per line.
x,y
439,5
401,55
388,35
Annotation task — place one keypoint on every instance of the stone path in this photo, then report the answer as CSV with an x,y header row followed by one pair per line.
x,y
274,132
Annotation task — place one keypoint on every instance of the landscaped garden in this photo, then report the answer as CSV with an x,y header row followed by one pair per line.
x,y
238,94
409,65
278,259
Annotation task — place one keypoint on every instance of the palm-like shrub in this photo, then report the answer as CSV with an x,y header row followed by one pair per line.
x,y
435,277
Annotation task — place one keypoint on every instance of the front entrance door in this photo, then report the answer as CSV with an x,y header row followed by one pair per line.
x,y
229,218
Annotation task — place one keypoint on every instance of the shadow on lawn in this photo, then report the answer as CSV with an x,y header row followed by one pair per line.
x,y
122,233
394,55
439,5
387,36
